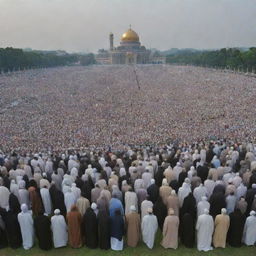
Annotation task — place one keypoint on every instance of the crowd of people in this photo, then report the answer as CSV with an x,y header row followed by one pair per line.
x,y
102,106
200,195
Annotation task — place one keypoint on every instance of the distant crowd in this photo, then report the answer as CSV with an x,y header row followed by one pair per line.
x,y
101,106
200,194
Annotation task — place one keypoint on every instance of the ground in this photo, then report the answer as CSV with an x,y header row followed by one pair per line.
x,y
140,250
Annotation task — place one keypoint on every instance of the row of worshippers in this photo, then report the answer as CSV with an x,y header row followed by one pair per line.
x,y
106,229
182,187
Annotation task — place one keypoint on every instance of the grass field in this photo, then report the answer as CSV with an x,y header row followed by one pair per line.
x,y
140,250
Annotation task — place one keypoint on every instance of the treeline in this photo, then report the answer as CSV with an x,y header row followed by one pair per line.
x,y
12,59
225,58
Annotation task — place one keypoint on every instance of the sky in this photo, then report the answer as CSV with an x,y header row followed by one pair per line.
x,y
84,25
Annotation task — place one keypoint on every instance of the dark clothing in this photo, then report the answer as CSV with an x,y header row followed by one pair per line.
x,y
117,227
202,172
159,176
174,184
249,199
3,239
57,198
104,223
14,204
182,177
90,228
189,206
252,179
12,228
235,232
160,210
217,202
86,189
187,230
219,189
43,233
153,192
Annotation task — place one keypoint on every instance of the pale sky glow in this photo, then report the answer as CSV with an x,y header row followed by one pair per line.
x,y
84,25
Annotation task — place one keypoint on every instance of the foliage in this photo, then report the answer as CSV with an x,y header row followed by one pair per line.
x,y
87,60
12,59
232,58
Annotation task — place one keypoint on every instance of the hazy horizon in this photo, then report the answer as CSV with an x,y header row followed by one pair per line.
x,y
84,25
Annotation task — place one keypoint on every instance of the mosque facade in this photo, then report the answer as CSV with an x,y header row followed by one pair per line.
x,y
130,51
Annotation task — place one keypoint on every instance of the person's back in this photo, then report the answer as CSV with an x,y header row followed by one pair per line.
x,y
149,227
133,227
42,226
204,229
74,220
59,230
170,231
249,236
26,227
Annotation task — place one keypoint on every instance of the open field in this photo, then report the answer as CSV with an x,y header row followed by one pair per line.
x,y
140,250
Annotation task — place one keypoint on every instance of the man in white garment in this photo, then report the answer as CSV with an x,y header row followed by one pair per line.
x,y
145,205
23,194
149,228
59,230
130,199
76,191
184,191
72,163
199,192
177,170
46,199
202,205
4,195
146,176
205,228
69,199
26,226
249,235
209,185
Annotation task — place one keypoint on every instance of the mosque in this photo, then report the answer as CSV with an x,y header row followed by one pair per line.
x,y
130,51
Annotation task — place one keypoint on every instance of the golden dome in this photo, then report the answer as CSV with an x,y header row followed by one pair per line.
x,y
130,36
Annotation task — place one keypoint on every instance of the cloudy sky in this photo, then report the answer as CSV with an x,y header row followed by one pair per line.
x,y
84,25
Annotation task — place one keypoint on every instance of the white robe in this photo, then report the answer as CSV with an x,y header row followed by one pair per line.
x,y
14,188
59,231
249,235
27,229
241,191
4,197
201,206
209,185
149,227
46,199
183,192
146,176
204,227
199,192
24,197
144,207
231,203
130,199
116,245
70,200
